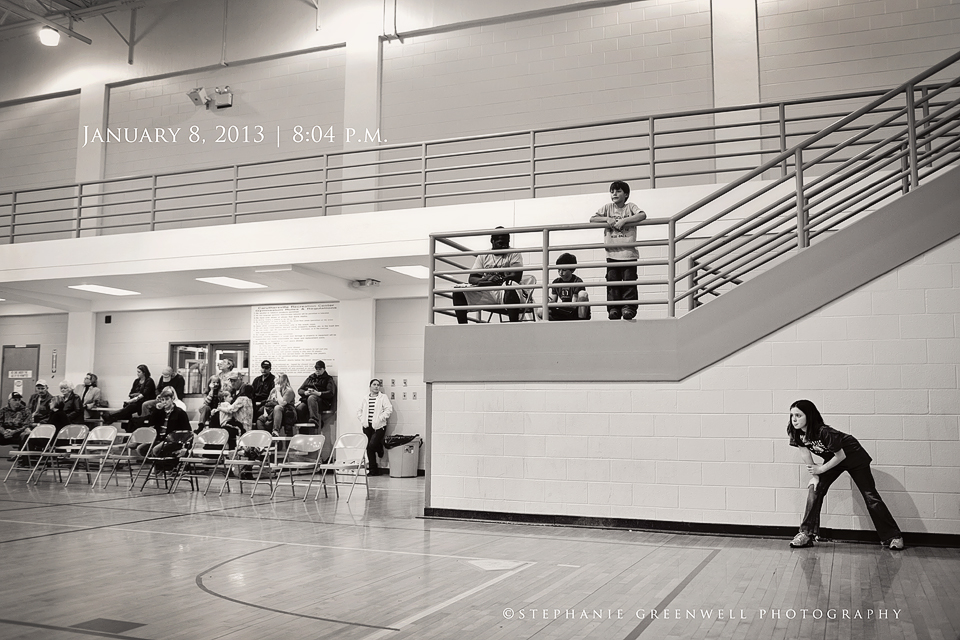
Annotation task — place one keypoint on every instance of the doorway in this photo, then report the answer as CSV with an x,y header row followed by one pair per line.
x,y
20,370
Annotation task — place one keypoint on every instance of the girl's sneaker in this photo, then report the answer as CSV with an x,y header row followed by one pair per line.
x,y
801,540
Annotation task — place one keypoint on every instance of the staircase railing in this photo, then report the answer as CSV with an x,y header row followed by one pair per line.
x,y
829,179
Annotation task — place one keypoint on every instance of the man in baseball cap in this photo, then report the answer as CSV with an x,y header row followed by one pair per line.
x,y
262,386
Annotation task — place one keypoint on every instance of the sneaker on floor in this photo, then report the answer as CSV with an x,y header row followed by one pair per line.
x,y
801,540
896,544
629,313
614,314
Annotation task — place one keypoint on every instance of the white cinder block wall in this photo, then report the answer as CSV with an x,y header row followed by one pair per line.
x,y
833,46
628,59
38,143
303,91
881,363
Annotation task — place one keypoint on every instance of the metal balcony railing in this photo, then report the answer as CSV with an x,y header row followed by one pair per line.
x,y
672,149
796,195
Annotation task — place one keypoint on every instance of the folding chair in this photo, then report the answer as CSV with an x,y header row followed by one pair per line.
x,y
169,461
41,436
304,445
349,458
95,448
68,441
201,462
258,439
142,436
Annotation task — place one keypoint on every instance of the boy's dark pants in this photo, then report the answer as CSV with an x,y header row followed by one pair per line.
x,y
883,521
621,292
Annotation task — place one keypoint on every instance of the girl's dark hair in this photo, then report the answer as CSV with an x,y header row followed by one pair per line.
x,y
814,420
93,379
145,369
372,380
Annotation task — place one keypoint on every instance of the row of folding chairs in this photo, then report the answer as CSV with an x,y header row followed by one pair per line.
x,y
206,456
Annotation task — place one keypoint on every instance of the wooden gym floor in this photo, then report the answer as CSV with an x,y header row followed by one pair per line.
x,y
116,564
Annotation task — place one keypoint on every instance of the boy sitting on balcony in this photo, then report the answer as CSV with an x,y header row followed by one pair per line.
x,y
572,291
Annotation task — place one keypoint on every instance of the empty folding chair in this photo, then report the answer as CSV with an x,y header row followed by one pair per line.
x,y
296,461
68,441
144,436
349,457
95,448
203,459
240,461
39,441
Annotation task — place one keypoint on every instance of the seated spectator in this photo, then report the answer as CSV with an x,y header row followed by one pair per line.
x,y
217,383
167,418
571,291
498,241
66,408
262,386
235,411
39,404
142,389
168,378
14,420
279,411
90,396
317,394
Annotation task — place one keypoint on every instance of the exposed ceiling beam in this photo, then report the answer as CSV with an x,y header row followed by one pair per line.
x,y
64,303
26,13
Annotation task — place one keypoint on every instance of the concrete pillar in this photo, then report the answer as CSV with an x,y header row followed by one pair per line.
x,y
91,156
355,359
736,77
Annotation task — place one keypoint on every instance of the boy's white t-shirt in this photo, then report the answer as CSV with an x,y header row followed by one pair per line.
x,y
613,238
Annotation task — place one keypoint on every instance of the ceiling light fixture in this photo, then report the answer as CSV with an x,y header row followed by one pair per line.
x,y
110,291
277,269
233,283
413,270
49,37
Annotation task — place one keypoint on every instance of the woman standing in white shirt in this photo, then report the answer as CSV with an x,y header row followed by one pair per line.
x,y
373,414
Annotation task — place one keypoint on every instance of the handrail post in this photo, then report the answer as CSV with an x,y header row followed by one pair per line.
x,y
13,217
236,185
533,164
323,185
431,298
912,138
653,157
783,138
803,234
423,174
545,284
153,203
79,207
904,170
925,110
671,268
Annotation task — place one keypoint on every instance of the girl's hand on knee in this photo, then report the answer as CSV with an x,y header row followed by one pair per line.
x,y
814,481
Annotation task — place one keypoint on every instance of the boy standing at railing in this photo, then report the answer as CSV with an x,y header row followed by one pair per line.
x,y
621,220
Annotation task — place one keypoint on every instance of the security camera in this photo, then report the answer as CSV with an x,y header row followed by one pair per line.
x,y
198,96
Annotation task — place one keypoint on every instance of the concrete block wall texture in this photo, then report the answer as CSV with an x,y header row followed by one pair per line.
x,y
713,448
628,59
38,142
299,91
819,48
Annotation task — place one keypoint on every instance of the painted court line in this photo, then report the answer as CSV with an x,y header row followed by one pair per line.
x,y
437,607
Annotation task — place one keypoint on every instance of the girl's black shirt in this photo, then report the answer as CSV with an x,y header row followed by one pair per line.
x,y
828,442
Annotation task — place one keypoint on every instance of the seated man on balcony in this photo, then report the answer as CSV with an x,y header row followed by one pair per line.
x,y
495,279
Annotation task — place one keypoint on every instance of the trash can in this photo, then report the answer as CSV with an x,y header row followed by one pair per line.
x,y
405,459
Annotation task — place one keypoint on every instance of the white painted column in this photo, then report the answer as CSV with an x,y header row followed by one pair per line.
x,y
355,360
736,76
81,344
91,156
